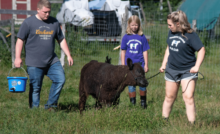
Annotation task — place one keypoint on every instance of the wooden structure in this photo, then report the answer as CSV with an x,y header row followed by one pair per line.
x,y
4,23
27,5
124,26
12,22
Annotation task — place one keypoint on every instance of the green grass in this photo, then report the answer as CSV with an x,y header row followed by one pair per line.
x,y
16,117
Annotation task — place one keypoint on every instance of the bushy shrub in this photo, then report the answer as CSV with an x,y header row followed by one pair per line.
x,y
5,55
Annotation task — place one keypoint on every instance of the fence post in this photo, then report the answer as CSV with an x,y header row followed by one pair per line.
x,y
62,57
142,10
12,42
124,27
194,25
4,40
168,3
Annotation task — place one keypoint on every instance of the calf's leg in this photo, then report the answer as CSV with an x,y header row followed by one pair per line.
x,y
82,101
98,104
116,100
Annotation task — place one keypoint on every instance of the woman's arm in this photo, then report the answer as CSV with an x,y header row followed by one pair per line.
x,y
165,59
200,58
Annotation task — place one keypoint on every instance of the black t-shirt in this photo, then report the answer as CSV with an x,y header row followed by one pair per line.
x,y
39,37
182,50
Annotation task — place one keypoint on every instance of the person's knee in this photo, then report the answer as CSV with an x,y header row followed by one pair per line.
x,y
170,98
131,89
143,88
189,100
35,85
62,80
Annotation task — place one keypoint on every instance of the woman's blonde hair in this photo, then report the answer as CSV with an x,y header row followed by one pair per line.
x,y
180,16
43,3
135,19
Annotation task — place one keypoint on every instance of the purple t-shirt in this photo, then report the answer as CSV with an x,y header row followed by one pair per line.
x,y
135,45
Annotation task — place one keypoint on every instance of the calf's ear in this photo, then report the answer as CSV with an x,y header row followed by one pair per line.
x,y
108,60
130,64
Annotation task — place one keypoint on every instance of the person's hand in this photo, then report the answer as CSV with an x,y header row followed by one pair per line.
x,y
146,69
162,69
70,60
194,69
18,62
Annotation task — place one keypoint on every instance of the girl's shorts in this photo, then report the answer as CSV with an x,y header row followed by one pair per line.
x,y
176,75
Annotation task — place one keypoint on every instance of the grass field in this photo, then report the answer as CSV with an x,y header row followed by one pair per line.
x,y
16,117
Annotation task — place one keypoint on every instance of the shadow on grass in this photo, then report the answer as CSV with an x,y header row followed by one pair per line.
x,y
72,107
68,107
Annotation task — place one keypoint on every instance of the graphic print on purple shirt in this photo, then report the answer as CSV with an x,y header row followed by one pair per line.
x,y
135,45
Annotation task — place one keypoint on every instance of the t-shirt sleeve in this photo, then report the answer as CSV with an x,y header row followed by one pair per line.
x,y
59,34
195,42
168,36
123,43
145,44
23,31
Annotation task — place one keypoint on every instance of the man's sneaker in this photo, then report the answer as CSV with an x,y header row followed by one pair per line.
x,y
52,109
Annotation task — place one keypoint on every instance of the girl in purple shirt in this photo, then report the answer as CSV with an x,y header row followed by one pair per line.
x,y
134,45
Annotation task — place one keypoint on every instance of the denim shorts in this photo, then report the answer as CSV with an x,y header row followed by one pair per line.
x,y
176,75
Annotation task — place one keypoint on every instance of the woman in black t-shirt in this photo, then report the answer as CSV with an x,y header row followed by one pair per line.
x,y
180,63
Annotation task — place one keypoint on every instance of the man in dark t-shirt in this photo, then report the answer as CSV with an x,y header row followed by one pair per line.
x,y
39,32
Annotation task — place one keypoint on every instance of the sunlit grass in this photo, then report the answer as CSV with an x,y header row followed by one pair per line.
x,y
16,117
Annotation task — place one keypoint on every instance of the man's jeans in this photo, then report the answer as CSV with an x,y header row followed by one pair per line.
x,y
56,73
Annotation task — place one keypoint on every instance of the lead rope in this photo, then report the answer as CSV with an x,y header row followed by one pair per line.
x,y
153,75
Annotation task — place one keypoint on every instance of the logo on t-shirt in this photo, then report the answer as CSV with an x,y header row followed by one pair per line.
x,y
174,42
133,45
38,31
44,32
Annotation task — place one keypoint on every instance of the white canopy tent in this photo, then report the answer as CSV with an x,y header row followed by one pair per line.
x,y
75,12
118,6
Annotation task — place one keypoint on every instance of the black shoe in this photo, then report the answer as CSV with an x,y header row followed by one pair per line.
x,y
191,123
143,102
165,119
52,109
133,100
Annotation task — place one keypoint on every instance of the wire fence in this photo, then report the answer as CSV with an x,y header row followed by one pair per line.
x,y
85,50
97,41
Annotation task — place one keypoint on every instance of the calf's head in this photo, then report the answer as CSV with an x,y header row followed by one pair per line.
x,y
137,72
